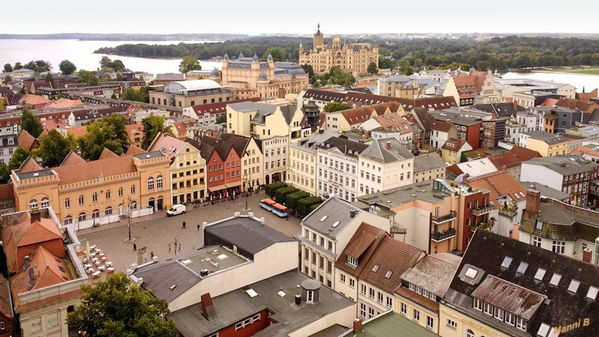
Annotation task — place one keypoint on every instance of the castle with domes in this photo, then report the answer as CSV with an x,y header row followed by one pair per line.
x,y
353,57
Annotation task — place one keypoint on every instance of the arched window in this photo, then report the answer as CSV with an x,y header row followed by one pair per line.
x,y
159,182
469,333
151,183
45,202
81,217
68,220
33,204
95,213
108,211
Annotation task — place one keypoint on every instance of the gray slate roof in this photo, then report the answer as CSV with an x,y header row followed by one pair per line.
x,y
159,277
378,150
246,233
564,165
428,162
335,210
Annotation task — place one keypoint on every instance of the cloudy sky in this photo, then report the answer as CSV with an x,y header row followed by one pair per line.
x,y
298,17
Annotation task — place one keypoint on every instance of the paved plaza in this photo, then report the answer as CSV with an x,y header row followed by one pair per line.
x,y
158,233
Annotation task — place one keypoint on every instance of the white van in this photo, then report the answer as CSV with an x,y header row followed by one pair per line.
x,y
176,210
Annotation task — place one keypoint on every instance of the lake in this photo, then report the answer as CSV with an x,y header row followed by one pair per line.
x,y
580,81
81,53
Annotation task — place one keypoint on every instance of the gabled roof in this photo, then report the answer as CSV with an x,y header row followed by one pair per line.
x,y
106,153
394,122
343,144
433,273
33,100
5,299
29,165
331,217
360,247
95,169
167,144
443,126
219,107
578,104
387,150
26,140
72,158
133,150
499,184
454,144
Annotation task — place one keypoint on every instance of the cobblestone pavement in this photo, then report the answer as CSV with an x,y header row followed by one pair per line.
x,y
158,233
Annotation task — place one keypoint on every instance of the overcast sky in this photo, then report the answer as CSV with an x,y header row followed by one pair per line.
x,y
298,17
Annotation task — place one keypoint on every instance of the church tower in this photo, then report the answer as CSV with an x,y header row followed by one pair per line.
x,y
318,38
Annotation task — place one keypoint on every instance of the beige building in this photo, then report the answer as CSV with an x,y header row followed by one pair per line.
x,y
546,144
78,190
253,78
302,161
264,121
352,57
189,93
428,167
187,168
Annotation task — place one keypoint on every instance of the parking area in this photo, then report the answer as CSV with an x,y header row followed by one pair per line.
x,y
159,233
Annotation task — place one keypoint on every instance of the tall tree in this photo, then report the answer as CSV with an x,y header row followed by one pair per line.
x,y
18,66
336,106
18,157
152,125
88,77
189,63
372,68
7,68
278,54
140,95
54,148
118,307
67,67
31,123
108,132
4,173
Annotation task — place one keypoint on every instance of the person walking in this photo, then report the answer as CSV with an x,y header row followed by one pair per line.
x,y
134,247
198,226
151,254
169,247
183,225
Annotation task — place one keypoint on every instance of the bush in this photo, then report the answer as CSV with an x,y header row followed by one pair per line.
x,y
282,192
303,206
314,206
292,198
271,188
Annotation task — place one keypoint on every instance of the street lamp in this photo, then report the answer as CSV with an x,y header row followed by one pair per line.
x,y
246,182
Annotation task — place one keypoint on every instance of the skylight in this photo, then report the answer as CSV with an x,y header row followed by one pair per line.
x,y
471,272
543,329
506,262
375,268
555,279
573,287
336,224
324,218
251,292
389,273
592,293
522,267
540,274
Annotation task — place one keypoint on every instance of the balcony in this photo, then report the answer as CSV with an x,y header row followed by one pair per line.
x,y
508,212
398,230
442,236
483,210
444,218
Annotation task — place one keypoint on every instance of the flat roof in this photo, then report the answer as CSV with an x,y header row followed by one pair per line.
x,y
392,324
213,259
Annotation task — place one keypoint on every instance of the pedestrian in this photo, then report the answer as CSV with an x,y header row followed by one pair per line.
x,y
169,247
134,247
198,226
183,224
151,254
179,247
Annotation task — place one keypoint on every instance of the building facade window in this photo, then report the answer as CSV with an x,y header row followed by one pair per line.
x,y
33,204
159,182
150,183
67,203
81,200
81,217
558,247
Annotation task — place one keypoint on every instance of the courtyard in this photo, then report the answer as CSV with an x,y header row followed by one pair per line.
x,y
157,234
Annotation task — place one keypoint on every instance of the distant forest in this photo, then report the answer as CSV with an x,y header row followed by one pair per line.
x,y
513,52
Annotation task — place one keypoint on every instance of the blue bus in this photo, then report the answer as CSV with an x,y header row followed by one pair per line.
x,y
267,204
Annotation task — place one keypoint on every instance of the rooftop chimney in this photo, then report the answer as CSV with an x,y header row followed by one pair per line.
x,y
388,145
207,307
357,325
353,213
533,201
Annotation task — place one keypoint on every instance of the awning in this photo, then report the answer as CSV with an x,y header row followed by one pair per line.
x,y
217,188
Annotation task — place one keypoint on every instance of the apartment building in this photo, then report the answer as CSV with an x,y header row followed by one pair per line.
x,y
383,165
326,232
302,161
428,166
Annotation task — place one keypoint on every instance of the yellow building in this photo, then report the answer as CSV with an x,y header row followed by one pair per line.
x,y
252,78
264,121
547,144
452,150
352,57
302,161
78,190
187,169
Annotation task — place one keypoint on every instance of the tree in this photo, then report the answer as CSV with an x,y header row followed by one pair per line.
x,y
108,132
31,123
222,118
140,95
308,69
67,67
88,77
54,148
7,68
108,65
189,63
18,157
336,106
4,173
118,307
18,66
49,79
152,125
278,54
372,68
1,104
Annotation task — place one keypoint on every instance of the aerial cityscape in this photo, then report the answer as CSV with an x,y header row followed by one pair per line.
x,y
270,170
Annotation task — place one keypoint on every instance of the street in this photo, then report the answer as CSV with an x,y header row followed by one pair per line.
x,y
158,233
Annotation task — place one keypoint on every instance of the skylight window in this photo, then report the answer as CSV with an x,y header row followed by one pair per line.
x,y
471,272
389,273
573,287
375,268
543,330
336,224
506,262
251,293
324,218
592,293
540,274
555,279
522,267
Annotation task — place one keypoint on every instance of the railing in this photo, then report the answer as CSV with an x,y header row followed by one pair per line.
x,y
444,218
441,236
483,210
398,230
510,213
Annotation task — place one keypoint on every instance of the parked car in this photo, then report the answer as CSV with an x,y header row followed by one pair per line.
x,y
176,210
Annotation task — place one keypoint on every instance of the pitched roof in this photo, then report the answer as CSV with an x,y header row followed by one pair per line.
x,y
29,165
578,104
499,184
77,131
394,122
426,162
106,153
5,300
63,103
48,270
433,273
513,157
133,150
33,100
331,217
454,144
443,126
387,150
71,159
435,103
238,142
343,144
26,140
219,107
361,246
167,144
93,169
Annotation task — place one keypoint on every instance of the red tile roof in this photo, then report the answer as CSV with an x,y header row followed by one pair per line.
x,y
394,122
361,246
585,96
26,140
29,165
577,104
454,144
498,184
167,144
441,125
63,103
133,150
71,159
94,169
106,153
513,157
5,302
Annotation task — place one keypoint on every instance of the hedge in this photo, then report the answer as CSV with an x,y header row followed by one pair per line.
x,y
280,193
271,188
292,198
303,206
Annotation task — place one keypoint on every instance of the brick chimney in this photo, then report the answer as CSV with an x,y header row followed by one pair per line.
x,y
388,145
207,307
35,215
587,255
357,324
533,201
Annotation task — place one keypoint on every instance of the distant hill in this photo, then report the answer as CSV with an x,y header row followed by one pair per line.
x,y
126,37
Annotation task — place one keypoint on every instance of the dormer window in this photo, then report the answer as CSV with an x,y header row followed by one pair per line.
x,y
555,279
352,261
507,261
540,274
